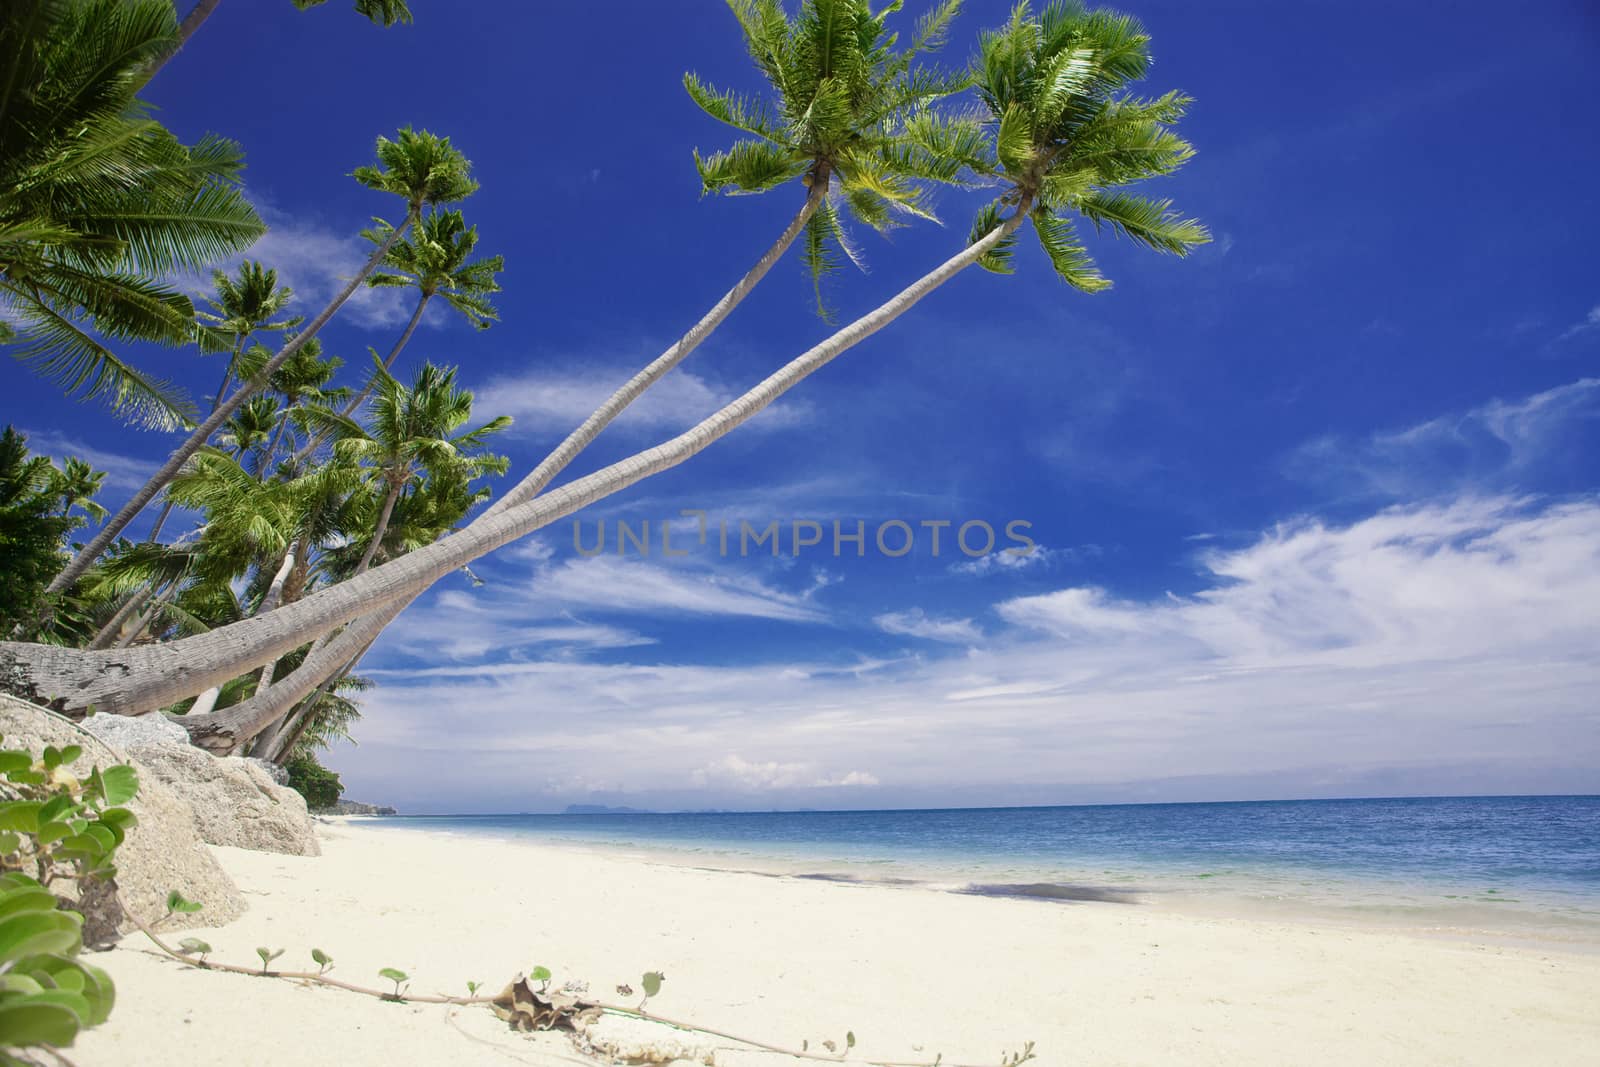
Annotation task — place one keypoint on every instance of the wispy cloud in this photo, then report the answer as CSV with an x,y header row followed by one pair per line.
x,y
1488,447
1454,637
915,623
553,402
122,472
1590,324
636,586
742,775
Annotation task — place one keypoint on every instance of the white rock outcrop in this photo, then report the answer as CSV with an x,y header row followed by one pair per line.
x,y
164,852
234,801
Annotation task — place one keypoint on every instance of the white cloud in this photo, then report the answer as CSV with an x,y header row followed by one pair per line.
x,y
1444,646
316,261
1015,559
1487,447
915,623
1472,578
122,472
1590,323
553,402
628,585
736,773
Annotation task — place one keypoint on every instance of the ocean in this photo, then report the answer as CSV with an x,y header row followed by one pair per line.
x,y
1525,867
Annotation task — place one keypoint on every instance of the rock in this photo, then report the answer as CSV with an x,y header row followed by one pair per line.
x,y
125,731
275,772
163,852
234,801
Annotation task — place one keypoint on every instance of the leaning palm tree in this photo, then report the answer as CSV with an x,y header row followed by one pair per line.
x,y
422,169
843,103
99,202
1065,135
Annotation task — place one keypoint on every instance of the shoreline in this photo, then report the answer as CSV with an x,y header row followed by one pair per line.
x,y
790,960
1342,903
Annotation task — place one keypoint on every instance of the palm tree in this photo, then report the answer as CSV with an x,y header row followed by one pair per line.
x,y
1059,80
98,201
382,12
424,170
414,434
244,305
76,485
436,261
843,109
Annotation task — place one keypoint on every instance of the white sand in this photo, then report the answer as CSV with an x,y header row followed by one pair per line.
x,y
912,971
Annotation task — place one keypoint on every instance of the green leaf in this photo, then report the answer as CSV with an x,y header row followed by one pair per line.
x,y
29,1023
14,761
268,955
20,815
193,946
850,1039
177,902
652,982
119,784
70,754
27,933
33,897
321,958
540,974
393,975
51,757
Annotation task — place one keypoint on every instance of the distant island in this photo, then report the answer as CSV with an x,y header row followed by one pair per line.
x,y
602,809
355,807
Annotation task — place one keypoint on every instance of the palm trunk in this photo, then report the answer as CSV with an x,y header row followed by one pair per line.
x,y
108,633
148,616
191,22
381,529
98,544
159,675
270,600
225,731
360,398
580,438
205,701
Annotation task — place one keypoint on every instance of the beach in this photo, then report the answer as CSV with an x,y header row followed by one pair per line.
x,y
913,972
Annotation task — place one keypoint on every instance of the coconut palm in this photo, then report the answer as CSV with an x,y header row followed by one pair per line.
x,y
75,484
1059,109
98,201
421,168
436,260
844,102
246,303
416,432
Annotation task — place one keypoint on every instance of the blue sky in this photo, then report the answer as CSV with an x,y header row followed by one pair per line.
x,y
1318,508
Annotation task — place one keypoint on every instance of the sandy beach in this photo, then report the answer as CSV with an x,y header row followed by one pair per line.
x,y
912,971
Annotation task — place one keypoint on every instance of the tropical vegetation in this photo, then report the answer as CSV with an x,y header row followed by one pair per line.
x,y
321,510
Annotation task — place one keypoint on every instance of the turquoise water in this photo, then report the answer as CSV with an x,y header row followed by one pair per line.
x,y
1530,865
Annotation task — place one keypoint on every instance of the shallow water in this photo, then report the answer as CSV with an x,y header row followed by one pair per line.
x,y
1527,868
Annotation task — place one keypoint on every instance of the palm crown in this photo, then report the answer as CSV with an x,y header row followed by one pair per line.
x,y
1066,136
843,99
97,200
422,168
436,259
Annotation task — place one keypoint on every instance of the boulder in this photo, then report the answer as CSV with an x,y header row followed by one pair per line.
x,y
125,731
275,772
234,801
163,852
